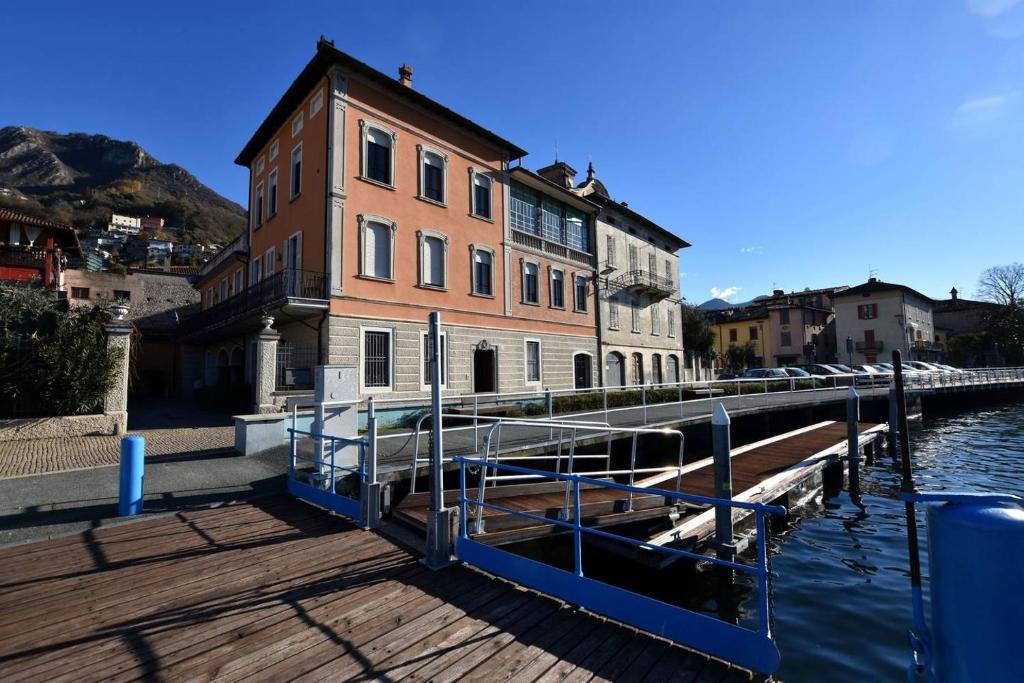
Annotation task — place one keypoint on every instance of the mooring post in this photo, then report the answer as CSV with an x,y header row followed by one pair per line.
x,y
133,461
722,448
372,488
439,548
853,438
893,422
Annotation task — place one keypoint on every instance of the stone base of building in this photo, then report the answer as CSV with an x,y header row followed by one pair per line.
x,y
656,365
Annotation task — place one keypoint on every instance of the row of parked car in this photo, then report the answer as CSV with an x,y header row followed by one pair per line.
x,y
863,374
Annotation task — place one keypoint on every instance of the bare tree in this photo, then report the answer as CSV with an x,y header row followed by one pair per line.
x,y
1003,285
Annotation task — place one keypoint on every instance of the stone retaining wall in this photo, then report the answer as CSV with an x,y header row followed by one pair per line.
x,y
58,427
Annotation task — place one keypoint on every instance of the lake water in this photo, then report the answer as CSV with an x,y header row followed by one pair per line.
x,y
842,597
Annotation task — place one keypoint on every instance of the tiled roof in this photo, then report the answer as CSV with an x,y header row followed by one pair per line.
x,y
68,233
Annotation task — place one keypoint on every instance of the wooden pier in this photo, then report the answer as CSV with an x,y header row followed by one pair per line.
x,y
280,590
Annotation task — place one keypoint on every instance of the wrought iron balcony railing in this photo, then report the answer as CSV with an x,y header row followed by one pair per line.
x,y
644,282
272,291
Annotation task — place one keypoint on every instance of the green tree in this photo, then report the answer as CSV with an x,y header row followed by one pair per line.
x,y
698,335
740,357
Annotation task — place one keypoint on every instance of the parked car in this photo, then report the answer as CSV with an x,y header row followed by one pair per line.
x,y
796,372
830,373
869,375
922,366
727,374
764,373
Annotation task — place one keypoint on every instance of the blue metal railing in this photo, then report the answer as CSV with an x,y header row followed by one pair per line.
x,y
313,487
753,649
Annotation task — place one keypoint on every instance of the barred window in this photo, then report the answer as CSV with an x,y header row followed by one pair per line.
x,y
376,359
532,361
428,359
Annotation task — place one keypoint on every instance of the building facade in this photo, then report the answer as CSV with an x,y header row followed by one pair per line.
x,y
34,250
638,289
878,317
371,205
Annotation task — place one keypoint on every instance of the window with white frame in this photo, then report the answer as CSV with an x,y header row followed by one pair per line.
x,y
483,270
557,297
377,358
427,352
377,238
576,234
224,289
433,175
635,314
272,194
260,165
433,259
612,262
255,271
378,154
274,146
652,263
257,201
296,182
552,228
582,293
671,322
613,315
655,318
634,260
533,361
297,125
293,255
524,209
239,280
531,292
270,262
480,195
316,104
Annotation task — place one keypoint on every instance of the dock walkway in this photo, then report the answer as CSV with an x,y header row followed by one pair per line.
x,y
279,590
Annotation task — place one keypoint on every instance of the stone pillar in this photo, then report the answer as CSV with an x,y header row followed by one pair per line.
x,y
265,381
115,404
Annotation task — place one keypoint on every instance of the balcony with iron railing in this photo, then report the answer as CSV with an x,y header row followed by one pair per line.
x,y
644,282
22,257
549,248
280,289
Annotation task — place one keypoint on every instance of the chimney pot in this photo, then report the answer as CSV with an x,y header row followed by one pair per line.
x,y
405,75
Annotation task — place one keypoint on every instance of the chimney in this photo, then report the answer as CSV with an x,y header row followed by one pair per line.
x,y
405,75
560,173
778,292
953,293
872,279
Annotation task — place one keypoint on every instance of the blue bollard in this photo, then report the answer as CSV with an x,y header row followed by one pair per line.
x,y
133,454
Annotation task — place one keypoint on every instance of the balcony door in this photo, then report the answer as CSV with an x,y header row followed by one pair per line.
x,y
293,265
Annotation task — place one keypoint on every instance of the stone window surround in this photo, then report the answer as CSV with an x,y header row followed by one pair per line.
x,y
293,192
586,284
551,287
365,126
588,354
363,219
523,262
361,352
540,362
421,243
473,249
258,217
422,152
473,173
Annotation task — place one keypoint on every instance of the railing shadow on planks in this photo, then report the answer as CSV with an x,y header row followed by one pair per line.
x,y
754,649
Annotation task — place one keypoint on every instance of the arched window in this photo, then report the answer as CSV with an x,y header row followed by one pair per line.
x,y
582,367
638,369
614,369
433,259
378,245
656,377
433,175
672,365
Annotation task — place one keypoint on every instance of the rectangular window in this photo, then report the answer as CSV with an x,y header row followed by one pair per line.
x,y
634,259
611,251
258,208
576,234
532,361
582,291
79,292
482,272
378,156
787,339
433,177
552,229
481,196
255,271
671,321
296,186
524,208
867,311
297,125
274,146
613,315
732,334
122,295
272,194
655,318
668,273
209,297
316,104
428,360
557,289
270,262
376,358
652,263
224,289
784,316
259,165
377,250
239,280
433,262
753,333
635,313
531,294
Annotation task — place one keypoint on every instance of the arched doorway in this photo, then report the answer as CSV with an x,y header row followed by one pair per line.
x,y
485,369
638,369
673,368
582,370
614,369
656,377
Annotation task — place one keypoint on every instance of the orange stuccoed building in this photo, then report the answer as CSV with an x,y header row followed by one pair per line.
x,y
372,205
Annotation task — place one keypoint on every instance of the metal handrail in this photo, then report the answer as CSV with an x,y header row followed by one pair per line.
x,y
359,470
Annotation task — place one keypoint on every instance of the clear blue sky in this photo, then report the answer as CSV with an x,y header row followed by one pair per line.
x,y
794,144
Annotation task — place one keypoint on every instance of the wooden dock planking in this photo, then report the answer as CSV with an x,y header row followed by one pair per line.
x,y
278,590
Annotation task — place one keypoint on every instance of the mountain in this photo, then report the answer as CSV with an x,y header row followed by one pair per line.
x,y
715,305
80,179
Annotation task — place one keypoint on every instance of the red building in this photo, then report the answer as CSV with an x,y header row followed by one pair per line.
x,y
34,249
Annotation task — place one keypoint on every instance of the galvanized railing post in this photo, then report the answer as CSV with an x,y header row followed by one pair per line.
x,y
551,411
291,451
679,474
722,452
681,410
764,576
643,397
370,488
853,439
333,452
632,472
463,531
476,426
572,454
